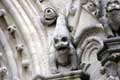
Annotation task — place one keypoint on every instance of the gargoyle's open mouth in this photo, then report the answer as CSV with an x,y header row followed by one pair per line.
x,y
62,48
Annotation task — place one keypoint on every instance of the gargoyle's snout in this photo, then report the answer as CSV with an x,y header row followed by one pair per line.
x,y
61,43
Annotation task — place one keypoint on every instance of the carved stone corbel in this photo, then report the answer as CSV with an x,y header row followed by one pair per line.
x,y
109,56
20,48
12,29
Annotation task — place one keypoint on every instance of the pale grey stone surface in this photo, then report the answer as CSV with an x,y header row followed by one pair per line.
x,y
37,35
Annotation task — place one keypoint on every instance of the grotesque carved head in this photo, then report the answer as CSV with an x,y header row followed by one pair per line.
x,y
113,13
61,42
62,38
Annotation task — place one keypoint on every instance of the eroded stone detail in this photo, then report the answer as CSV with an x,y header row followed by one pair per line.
x,y
12,29
2,12
49,16
20,47
3,71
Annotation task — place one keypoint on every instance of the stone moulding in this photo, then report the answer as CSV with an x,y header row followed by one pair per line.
x,y
71,75
109,56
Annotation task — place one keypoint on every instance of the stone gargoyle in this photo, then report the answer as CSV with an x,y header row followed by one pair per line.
x,y
63,57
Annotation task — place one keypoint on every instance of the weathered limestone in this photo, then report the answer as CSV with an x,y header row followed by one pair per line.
x,y
49,17
74,39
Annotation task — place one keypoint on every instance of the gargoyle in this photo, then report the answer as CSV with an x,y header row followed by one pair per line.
x,y
64,54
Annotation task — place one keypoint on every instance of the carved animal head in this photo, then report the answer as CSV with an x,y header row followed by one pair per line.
x,y
49,13
11,29
62,37
61,42
20,47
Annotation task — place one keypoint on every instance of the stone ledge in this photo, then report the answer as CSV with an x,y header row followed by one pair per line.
x,y
71,75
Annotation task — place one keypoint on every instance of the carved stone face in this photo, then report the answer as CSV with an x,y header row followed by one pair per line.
x,y
113,13
61,43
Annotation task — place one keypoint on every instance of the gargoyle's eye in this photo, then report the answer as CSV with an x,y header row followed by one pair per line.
x,y
64,39
56,40
91,4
